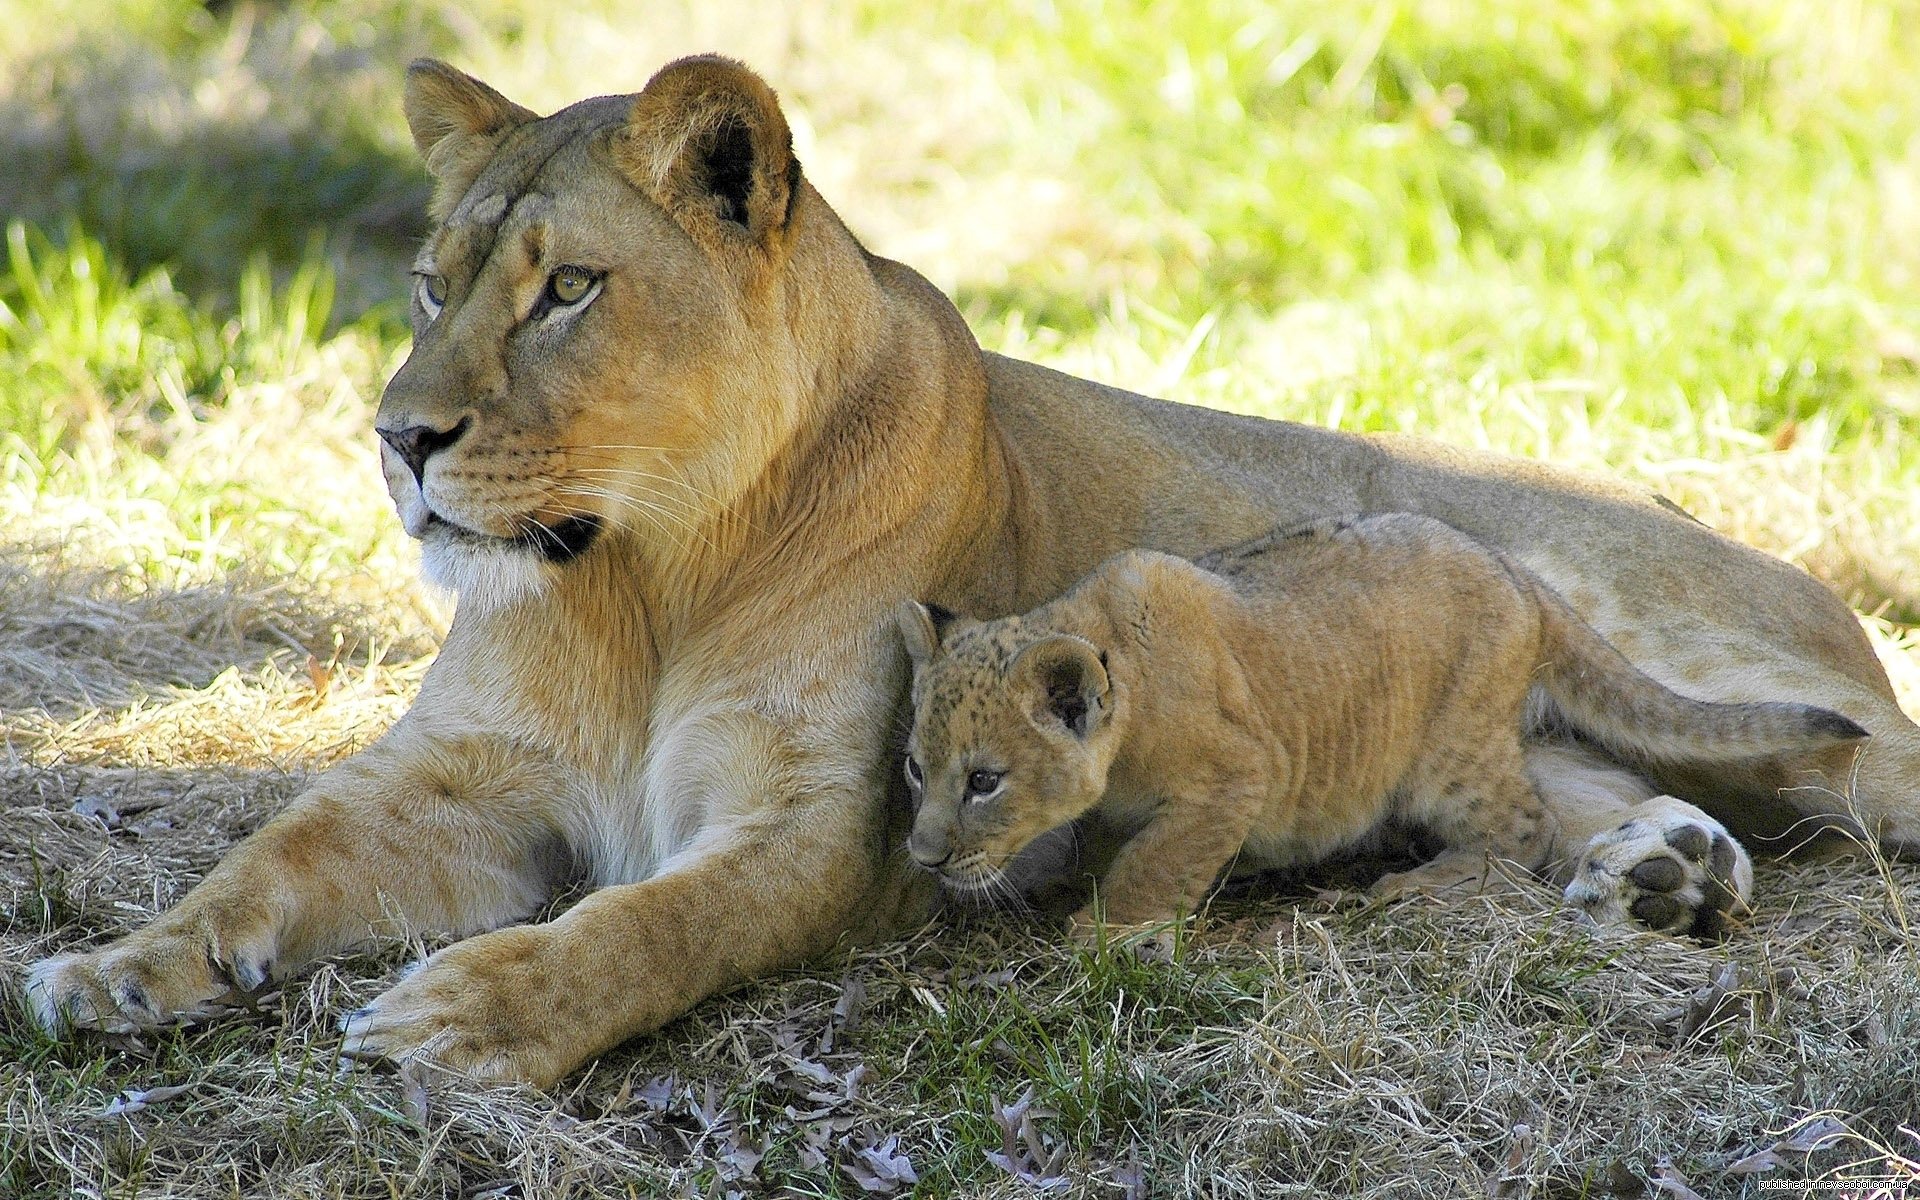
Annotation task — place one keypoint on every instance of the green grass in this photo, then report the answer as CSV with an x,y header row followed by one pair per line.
x,y
1675,241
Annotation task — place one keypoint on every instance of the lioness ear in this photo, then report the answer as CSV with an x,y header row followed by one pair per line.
x,y
1063,680
707,142
457,123
921,627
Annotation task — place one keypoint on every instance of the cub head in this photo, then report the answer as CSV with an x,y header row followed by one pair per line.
x,y
604,345
1013,734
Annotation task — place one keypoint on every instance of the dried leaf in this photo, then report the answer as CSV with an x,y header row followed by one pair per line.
x,y
1510,1182
740,1157
1812,1136
413,1093
99,809
881,1168
1667,1181
1129,1176
320,675
1023,1152
1721,1000
990,979
657,1093
1873,1031
817,1072
708,1112
846,1012
1755,1163
134,1099
886,1160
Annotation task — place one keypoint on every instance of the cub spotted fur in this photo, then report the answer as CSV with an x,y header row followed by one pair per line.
x,y
1283,700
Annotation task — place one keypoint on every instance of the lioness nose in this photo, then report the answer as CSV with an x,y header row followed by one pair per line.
x,y
417,443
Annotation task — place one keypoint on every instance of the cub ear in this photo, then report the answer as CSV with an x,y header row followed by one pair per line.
x,y
706,141
1062,680
457,123
921,627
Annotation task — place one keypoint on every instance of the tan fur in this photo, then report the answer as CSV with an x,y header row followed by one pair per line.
x,y
1279,702
780,437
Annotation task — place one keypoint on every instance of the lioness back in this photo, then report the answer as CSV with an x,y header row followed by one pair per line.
x,y
1280,701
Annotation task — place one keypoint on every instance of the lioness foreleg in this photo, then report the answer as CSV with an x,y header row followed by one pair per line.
x,y
786,855
414,834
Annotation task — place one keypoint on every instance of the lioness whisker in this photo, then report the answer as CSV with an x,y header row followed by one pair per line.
x,y
569,510
631,473
718,506
651,511
648,504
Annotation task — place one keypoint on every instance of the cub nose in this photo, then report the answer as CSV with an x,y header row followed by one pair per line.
x,y
417,443
928,856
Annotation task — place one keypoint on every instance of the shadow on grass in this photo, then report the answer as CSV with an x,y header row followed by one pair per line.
x,y
77,638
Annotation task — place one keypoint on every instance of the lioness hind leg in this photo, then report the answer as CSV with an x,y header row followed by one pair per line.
x,y
1630,855
1667,866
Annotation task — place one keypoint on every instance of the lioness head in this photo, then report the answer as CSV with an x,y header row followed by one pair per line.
x,y
610,321
1012,736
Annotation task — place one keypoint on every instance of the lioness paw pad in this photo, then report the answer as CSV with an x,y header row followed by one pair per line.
x,y
1670,867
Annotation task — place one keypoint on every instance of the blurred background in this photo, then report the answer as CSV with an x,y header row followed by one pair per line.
x,y
1669,239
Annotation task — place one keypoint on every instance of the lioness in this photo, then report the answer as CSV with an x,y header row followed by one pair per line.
x,y
1307,693
682,444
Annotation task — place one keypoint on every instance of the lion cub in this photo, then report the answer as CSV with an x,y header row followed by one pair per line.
x,y
1280,701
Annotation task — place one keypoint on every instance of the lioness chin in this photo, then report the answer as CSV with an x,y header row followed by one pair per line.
x,y
682,444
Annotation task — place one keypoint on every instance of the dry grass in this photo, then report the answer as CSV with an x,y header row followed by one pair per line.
x,y
203,596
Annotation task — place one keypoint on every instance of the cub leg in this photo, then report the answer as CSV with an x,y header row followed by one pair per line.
x,y
1165,869
413,834
1630,855
1479,805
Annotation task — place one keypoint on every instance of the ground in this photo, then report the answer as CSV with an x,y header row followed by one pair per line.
x,y
1678,242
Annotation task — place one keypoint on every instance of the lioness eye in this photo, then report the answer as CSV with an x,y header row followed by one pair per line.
x,y
913,772
433,293
568,284
983,783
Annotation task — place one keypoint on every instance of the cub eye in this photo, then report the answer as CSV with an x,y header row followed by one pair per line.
x,y
432,291
984,783
913,773
569,284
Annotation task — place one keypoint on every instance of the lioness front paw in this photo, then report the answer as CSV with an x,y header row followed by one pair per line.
x,y
1669,867
489,1008
153,977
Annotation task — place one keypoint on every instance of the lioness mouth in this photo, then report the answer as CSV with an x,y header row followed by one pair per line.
x,y
561,542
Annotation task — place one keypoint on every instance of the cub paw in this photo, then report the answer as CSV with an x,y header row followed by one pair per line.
x,y
1669,867
147,979
485,1008
1153,941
